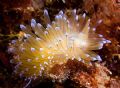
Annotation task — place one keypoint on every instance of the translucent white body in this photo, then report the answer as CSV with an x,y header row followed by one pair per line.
x,y
41,48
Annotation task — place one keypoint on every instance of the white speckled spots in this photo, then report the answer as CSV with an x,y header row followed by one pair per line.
x,y
40,47
45,63
32,49
29,60
42,56
34,67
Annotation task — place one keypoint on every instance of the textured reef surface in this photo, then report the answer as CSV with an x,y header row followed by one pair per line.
x,y
60,44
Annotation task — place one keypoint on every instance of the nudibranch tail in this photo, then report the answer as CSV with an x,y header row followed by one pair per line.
x,y
40,48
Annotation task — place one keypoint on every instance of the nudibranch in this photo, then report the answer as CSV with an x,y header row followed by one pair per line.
x,y
68,37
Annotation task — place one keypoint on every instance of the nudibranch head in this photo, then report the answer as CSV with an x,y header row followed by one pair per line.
x,y
41,48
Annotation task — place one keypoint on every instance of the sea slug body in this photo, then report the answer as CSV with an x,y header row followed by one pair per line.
x,y
40,48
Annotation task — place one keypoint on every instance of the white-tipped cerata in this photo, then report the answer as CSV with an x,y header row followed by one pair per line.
x,y
68,37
